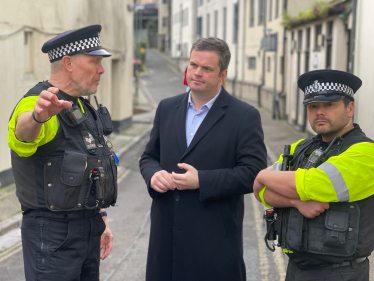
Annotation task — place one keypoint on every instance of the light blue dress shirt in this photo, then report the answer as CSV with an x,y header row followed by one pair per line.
x,y
194,118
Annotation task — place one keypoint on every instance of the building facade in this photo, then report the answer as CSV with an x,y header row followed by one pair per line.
x,y
26,25
361,20
317,43
164,25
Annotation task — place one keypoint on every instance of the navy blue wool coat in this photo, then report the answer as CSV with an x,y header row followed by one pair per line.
x,y
197,234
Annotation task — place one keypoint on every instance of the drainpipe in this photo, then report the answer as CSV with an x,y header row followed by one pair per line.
x,y
353,39
263,61
283,70
236,54
275,94
243,49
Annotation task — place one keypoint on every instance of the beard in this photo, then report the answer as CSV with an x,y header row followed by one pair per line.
x,y
334,127
85,91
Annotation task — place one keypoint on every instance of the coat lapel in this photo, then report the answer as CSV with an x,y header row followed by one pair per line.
x,y
214,114
180,123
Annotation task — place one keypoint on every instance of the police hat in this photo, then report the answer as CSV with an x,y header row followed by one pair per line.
x,y
328,85
85,40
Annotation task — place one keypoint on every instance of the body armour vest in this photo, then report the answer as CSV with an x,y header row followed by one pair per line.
x,y
343,232
59,176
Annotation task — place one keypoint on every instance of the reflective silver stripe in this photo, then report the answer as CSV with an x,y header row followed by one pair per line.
x,y
337,181
277,166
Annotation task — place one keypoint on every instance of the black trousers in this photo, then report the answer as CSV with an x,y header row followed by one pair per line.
x,y
62,249
358,272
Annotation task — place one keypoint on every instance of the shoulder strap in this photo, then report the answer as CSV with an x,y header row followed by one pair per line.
x,y
300,150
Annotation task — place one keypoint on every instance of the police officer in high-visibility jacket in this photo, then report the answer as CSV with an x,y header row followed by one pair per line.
x,y
64,168
324,203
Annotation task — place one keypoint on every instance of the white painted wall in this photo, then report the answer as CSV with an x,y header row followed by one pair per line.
x,y
363,68
56,17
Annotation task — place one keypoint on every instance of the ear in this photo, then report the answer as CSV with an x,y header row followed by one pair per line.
x,y
223,75
67,62
351,109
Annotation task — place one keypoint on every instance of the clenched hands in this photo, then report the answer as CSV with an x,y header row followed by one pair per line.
x,y
188,180
163,181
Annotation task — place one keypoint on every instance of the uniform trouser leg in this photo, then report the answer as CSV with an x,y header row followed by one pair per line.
x,y
355,272
66,250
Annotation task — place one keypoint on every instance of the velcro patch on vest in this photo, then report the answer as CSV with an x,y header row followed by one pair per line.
x,y
89,141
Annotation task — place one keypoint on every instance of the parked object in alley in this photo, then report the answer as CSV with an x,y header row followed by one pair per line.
x,y
64,168
323,194
204,152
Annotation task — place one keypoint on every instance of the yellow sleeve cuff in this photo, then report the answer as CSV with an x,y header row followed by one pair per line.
x,y
261,195
300,186
47,132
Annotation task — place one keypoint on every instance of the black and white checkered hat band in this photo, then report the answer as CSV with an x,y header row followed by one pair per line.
x,y
329,87
72,48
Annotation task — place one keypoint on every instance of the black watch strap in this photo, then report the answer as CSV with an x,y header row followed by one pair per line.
x,y
103,214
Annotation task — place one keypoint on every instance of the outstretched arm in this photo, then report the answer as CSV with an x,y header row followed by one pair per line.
x,y
47,105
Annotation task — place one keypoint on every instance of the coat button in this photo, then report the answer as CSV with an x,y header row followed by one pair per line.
x,y
71,178
177,198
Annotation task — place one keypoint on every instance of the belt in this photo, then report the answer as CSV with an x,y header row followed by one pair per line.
x,y
353,263
60,215
346,263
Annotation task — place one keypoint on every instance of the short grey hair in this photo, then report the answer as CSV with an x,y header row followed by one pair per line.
x,y
56,66
217,45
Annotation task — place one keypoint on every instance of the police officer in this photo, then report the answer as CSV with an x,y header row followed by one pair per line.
x,y
64,170
325,202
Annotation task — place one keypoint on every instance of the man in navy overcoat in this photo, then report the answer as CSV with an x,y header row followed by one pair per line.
x,y
204,152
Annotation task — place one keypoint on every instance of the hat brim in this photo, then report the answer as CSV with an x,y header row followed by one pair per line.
x,y
100,52
323,98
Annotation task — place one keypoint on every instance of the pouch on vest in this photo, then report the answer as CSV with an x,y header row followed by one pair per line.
x,y
106,120
337,224
64,179
295,231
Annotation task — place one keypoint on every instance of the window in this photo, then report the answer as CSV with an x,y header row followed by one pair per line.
x,y
164,21
281,69
236,16
299,40
329,45
215,23
201,2
252,13
224,24
318,38
199,30
284,5
251,62
28,51
165,1
276,9
270,9
261,12
269,64
307,47
307,50
207,25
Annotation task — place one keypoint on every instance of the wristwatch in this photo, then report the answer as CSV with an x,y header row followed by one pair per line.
x,y
103,214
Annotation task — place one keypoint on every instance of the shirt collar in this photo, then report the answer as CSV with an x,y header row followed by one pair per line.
x,y
209,104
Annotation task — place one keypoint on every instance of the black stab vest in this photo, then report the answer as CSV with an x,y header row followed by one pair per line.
x,y
344,232
57,177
